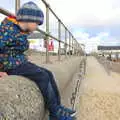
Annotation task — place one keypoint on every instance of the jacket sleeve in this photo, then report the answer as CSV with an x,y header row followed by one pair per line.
x,y
6,36
12,40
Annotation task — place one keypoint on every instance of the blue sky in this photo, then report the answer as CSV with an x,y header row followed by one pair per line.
x,y
93,22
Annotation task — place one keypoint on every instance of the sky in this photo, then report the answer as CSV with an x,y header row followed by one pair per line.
x,y
92,22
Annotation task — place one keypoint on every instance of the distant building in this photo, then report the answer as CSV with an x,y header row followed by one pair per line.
x,y
36,41
109,48
111,52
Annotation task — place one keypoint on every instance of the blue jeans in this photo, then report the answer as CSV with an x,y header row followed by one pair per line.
x,y
44,80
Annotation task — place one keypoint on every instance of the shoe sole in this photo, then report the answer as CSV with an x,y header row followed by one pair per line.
x,y
73,115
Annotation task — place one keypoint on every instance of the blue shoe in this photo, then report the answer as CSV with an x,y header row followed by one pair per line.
x,y
63,113
68,110
62,118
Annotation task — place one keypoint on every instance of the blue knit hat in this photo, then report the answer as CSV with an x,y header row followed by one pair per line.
x,y
30,12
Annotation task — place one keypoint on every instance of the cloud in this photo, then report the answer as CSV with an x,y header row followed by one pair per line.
x,y
92,22
91,43
84,12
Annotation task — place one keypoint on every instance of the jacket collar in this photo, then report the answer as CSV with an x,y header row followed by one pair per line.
x,y
13,20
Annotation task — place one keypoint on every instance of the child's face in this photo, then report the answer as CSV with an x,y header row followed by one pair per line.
x,y
32,26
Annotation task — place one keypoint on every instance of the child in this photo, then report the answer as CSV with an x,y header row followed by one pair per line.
x,y
13,43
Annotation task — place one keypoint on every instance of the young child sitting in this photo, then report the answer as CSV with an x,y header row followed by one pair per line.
x,y
13,44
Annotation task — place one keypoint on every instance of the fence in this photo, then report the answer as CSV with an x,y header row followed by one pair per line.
x,y
71,45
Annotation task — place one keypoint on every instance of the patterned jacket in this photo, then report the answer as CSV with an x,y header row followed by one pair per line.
x,y
13,43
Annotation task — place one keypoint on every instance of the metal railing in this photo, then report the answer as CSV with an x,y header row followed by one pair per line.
x,y
73,43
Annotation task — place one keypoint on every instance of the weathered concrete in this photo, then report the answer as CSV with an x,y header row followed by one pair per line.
x,y
64,71
110,65
21,99
99,93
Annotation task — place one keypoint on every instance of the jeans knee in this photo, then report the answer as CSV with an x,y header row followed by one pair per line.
x,y
50,74
45,76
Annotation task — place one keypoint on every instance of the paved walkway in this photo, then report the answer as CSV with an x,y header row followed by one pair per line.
x,y
100,93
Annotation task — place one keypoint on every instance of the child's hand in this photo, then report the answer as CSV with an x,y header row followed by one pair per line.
x,y
3,74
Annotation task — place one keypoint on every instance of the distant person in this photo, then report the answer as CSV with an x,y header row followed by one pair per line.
x,y
109,57
13,43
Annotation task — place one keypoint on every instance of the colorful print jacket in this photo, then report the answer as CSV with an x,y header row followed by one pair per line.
x,y
13,43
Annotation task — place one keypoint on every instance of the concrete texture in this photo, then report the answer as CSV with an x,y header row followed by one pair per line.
x,y
20,99
99,93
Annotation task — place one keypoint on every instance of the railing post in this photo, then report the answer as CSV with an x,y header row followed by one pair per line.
x,y
47,31
69,44
65,43
72,45
17,5
59,38
79,49
76,47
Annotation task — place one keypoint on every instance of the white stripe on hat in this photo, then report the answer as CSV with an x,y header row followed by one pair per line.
x,y
30,17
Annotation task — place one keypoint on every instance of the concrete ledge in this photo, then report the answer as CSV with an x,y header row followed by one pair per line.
x,y
20,99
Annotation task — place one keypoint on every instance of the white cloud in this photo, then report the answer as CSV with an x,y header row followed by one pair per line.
x,y
86,12
89,13
91,43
